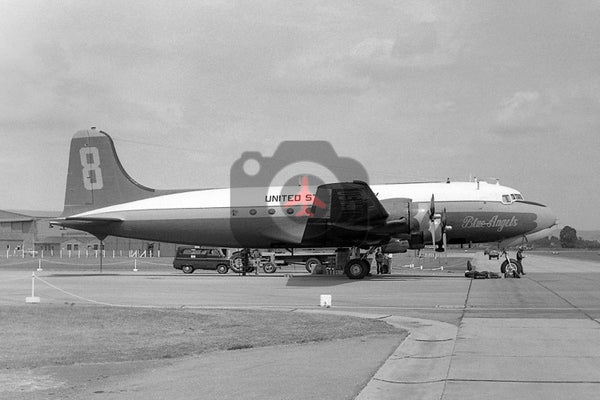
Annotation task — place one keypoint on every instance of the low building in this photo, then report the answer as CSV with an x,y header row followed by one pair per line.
x,y
16,231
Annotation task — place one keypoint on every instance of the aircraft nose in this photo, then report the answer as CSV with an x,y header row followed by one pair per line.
x,y
545,218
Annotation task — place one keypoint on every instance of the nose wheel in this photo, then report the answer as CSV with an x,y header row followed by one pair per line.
x,y
511,268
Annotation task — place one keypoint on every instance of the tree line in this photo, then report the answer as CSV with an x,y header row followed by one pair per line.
x,y
568,239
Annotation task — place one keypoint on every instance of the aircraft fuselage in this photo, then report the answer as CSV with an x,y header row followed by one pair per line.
x,y
475,212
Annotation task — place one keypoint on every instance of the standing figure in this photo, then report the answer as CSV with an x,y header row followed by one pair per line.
x,y
379,257
520,258
256,260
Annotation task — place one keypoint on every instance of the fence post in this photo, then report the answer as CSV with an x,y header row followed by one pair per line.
x,y
33,298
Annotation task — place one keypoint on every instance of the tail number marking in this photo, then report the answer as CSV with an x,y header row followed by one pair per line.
x,y
92,174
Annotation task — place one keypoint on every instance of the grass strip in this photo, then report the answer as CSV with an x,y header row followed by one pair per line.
x,y
42,335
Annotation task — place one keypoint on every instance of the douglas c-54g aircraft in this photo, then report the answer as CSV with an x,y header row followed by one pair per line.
x,y
102,199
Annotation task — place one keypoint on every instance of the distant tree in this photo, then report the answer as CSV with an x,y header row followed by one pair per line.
x,y
568,237
587,244
547,242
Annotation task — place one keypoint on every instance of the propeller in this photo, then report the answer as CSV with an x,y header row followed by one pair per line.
x,y
444,228
438,222
432,208
434,220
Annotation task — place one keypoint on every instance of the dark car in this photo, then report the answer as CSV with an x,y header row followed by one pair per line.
x,y
190,258
493,253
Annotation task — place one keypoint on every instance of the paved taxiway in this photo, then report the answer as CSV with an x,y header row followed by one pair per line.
x,y
536,337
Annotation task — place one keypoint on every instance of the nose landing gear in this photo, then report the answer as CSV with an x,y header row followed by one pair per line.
x,y
510,268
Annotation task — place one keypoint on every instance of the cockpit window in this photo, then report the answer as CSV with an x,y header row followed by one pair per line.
x,y
510,198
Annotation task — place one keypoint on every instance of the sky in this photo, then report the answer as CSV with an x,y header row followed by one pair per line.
x,y
413,90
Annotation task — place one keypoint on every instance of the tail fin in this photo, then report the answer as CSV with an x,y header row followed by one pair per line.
x,y
96,177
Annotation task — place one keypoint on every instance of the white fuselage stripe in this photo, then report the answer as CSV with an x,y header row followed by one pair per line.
x,y
255,197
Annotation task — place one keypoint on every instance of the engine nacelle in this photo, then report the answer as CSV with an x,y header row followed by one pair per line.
x,y
401,218
403,227
396,246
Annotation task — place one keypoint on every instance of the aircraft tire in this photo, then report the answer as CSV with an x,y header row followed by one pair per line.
x,y
222,268
269,268
312,263
236,263
187,269
356,269
514,263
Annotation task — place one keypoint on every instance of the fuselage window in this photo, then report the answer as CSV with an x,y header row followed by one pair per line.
x,y
506,199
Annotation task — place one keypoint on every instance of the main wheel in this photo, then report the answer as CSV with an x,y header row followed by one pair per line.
x,y
356,269
269,268
187,269
222,268
312,263
236,263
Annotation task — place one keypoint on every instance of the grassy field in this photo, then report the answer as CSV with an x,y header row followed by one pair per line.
x,y
64,335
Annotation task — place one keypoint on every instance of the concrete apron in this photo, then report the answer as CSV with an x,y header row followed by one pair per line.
x,y
418,369
491,358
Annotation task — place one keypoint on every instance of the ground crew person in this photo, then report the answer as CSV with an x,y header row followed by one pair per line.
x,y
520,258
256,260
245,261
379,260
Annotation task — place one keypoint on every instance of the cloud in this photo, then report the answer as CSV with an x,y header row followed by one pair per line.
x,y
570,109
320,72
522,113
362,52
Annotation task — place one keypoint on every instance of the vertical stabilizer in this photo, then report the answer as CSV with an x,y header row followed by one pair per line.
x,y
96,177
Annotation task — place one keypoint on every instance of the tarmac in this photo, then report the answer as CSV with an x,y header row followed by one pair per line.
x,y
532,338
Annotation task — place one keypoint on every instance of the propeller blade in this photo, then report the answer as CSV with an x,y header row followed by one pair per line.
x,y
443,221
432,208
435,230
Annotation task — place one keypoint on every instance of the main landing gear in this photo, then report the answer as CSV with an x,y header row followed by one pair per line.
x,y
359,267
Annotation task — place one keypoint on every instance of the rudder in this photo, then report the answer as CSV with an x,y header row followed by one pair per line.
x,y
95,177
